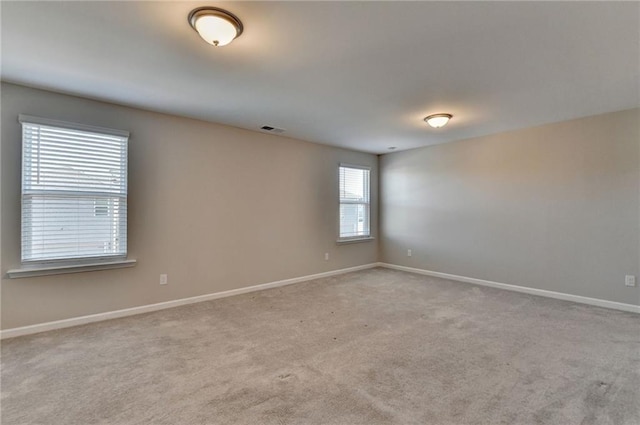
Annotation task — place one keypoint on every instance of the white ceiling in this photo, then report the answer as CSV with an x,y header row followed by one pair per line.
x,y
361,75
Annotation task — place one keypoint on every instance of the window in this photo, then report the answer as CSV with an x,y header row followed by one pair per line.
x,y
101,208
74,191
354,202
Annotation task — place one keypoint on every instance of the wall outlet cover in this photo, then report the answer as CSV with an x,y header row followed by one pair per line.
x,y
630,280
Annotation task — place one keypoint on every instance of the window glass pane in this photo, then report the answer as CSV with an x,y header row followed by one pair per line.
x,y
74,193
354,202
101,208
68,227
61,159
354,184
353,220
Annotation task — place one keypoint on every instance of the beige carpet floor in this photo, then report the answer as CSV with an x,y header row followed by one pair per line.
x,y
372,347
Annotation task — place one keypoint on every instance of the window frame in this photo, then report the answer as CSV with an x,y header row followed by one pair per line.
x,y
44,266
357,238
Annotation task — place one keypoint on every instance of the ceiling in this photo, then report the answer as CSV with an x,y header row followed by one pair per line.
x,y
361,75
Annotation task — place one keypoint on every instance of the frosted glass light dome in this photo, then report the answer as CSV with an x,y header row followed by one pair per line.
x,y
216,26
438,120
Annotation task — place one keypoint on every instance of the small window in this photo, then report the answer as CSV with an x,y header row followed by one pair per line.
x,y
355,206
74,191
101,208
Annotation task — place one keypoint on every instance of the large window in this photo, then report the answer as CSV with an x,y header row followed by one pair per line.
x,y
354,202
74,191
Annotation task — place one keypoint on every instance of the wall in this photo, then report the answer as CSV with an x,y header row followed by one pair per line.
x,y
554,207
214,207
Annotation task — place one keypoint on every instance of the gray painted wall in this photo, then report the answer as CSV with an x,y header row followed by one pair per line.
x,y
554,207
215,207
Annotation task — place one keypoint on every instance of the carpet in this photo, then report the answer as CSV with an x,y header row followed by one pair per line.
x,y
372,347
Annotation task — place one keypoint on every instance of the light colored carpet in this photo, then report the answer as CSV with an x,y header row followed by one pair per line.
x,y
372,347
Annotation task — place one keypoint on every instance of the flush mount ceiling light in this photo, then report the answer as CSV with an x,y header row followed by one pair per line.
x,y
438,120
216,26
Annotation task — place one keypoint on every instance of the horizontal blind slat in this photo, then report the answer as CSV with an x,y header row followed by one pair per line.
x,y
78,135
49,194
53,152
71,142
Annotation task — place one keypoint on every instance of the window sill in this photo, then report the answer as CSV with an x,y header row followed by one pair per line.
x,y
354,240
46,270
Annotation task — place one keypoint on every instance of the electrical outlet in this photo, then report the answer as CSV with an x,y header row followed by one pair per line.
x,y
326,256
630,280
408,253
164,279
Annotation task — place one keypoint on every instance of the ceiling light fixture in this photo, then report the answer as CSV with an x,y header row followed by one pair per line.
x,y
438,120
216,26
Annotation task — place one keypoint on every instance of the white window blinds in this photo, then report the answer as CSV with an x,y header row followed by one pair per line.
x,y
74,191
354,202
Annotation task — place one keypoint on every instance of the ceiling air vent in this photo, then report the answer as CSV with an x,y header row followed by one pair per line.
x,y
272,129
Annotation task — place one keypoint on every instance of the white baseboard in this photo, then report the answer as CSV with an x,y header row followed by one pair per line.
x,y
533,291
82,320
